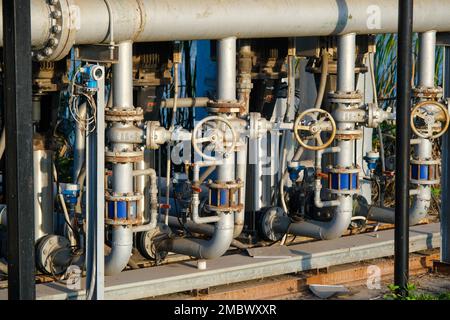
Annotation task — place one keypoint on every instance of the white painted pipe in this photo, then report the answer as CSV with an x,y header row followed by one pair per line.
x,y
170,20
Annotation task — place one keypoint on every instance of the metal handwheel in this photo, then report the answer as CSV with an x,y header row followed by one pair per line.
x,y
429,119
310,124
214,136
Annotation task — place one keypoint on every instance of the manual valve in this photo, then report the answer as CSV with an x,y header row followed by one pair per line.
x,y
310,125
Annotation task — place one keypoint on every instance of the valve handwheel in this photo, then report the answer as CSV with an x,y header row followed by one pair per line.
x,y
213,136
429,119
310,124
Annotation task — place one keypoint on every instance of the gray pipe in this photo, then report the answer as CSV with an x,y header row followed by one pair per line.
x,y
317,229
2,143
418,211
80,144
122,178
170,20
206,229
140,186
153,191
344,203
226,91
241,174
121,249
423,148
226,69
3,216
43,192
204,249
427,58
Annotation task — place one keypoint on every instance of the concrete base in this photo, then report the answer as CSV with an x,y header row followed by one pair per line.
x,y
172,278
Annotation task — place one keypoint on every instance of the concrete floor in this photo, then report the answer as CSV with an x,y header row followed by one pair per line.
x,y
429,283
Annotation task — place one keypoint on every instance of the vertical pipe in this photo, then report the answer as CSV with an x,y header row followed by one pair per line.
x,y
427,59
226,91
19,148
424,149
226,69
141,187
43,192
402,163
346,62
445,212
123,99
123,77
346,83
80,144
122,179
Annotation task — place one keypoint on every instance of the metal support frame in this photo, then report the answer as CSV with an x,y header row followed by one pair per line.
x,y
19,149
403,134
445,211
95,177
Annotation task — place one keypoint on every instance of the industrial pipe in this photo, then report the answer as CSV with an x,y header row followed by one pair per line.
x,y
204,249
79,153
153,190
170,20
206,229
423,148
402,147
121,249
224,221
344,159
122,177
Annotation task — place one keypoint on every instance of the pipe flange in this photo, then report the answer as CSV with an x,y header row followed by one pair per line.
x,y
124,157
223,106
425,172
124,115
425,162
226,185
343,181
64,15
425,182
349,134
120,222
145,242
224,209
123,197
47,249
267,222
433,93
352,98
344,192
344,170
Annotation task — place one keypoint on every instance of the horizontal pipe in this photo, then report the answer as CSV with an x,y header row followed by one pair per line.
x,y
204,249
417,212
206,229
181,103
204,19
170,20
317,229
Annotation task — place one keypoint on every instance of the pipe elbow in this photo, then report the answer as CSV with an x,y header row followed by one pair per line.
x,y
326,230
336,228
219,243
205,249
121,250
421,205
